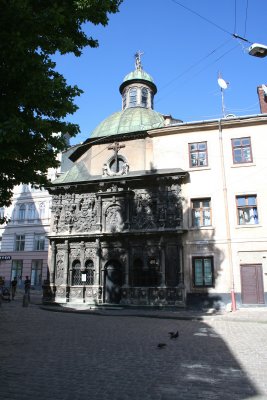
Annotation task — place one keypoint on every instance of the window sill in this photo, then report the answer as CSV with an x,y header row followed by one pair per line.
x,y
191,169
243,165
249,226
202,228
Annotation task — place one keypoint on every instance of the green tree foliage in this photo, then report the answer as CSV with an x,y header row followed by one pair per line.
x,y
34,98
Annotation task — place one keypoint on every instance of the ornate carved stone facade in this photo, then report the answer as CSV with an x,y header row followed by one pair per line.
x,y
117,242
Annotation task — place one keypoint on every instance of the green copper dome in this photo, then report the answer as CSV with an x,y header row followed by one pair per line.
x,y
138,75
129,120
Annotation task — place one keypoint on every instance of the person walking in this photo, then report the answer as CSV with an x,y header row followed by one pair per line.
x,y
27,285
14,287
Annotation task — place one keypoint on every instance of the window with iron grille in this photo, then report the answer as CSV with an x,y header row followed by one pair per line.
x,y
76,273
90,272
145,274
203,271
247,212
241,150
201,212
20,243
198,154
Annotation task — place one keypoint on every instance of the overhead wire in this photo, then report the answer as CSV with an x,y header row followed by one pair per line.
x,y
208,65
235,18
202,17
194,65
211,22
246,18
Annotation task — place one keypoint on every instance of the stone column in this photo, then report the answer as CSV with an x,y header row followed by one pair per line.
x,y
99,213
82,248
52,262
162,262
126,280
98,262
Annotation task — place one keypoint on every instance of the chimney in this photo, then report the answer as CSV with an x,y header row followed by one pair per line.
x,y
262,98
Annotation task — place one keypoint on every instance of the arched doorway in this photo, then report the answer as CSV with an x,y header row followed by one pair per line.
x,y
113,282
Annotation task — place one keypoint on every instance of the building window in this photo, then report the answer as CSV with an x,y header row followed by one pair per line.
x,y
90,272
76,273
116,164
247,213
22,211
41,210
2,212
198,154
25,188
133,97
201,212
144,97
31,211
20,243
242,150
16,270
124,100
39,242
36,272
203,271
146,275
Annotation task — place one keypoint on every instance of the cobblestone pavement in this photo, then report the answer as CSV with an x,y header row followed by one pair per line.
x,y
69,356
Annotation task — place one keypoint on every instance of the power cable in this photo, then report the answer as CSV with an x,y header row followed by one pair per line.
x,y
235,18
213,62
210,22
201,16
193,65
246,19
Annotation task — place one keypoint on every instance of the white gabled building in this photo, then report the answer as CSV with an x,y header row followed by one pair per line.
x,y
24,241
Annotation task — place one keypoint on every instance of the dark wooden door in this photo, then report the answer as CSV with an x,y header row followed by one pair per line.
x,y
252,284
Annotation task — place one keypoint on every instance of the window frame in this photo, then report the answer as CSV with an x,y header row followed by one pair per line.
x,y
247,206
144,97
201,210
242,147
22,212
198,151
31,211
133,97
38,241
20,243
16,269
203,258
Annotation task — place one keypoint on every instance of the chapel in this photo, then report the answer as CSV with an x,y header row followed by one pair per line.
x,y
117,219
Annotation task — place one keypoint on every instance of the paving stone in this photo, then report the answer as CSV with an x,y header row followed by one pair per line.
x,y
67,356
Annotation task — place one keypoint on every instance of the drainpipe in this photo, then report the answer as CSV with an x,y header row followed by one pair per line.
x,y
228,232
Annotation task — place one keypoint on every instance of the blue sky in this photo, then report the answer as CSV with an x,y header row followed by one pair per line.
x,y
183,52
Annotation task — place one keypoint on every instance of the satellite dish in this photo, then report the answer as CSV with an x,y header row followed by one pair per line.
x,y
264,88
222,83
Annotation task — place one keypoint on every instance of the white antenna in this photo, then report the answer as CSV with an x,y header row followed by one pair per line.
x,y
223,85
264,88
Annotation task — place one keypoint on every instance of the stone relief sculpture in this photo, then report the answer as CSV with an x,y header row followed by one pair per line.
x,y
147,210
114,218
60,267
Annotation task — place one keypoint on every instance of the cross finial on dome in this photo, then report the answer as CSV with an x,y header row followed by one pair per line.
x,y
138,64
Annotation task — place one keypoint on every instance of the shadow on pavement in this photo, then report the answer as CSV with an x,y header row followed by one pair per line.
x,y
72,356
